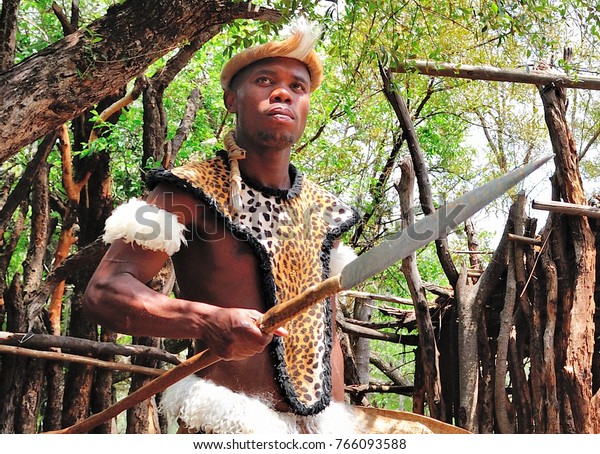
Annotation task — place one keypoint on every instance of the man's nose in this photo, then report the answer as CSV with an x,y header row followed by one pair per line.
x,y
281,95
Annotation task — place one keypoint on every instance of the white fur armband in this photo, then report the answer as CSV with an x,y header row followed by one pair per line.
x,y
340,257
146,225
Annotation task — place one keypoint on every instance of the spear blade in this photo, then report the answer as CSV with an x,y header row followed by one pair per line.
x,y
399,246
431,227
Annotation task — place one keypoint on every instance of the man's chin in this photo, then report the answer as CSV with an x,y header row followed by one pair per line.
x,y
277,139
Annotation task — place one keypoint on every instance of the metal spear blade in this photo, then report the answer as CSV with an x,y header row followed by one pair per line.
x,y
432,227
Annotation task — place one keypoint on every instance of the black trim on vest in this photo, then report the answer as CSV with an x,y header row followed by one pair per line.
x,y
296,178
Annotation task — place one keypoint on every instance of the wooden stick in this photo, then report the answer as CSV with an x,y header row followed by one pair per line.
x,y
567,208
376,297
532,76
57,356
524,239
83,346
349,328
194,364
380,388
472,252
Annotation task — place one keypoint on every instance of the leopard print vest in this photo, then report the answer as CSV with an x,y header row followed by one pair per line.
x,y
292,233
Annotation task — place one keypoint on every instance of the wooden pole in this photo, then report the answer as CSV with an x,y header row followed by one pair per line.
x,y
200,361
567,208
484,72
57,356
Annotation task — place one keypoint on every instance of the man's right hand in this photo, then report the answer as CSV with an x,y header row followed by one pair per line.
x,y
232,334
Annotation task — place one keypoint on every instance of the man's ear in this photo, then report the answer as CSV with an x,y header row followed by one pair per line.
x,y
230,100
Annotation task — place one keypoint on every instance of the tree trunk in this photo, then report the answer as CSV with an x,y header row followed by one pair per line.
x,y
468,354
8,33
420,169
429,355
362,346
576,338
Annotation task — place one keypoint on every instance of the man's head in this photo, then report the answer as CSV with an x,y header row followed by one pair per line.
x,y
271,99
268,87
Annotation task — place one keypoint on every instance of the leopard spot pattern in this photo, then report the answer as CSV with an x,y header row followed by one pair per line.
x,y
292,230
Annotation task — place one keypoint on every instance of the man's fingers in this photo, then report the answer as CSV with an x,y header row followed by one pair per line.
x,y
281,331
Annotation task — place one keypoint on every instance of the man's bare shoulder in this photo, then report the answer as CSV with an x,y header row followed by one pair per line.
x,y
177,201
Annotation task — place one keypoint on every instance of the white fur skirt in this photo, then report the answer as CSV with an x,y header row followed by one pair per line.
x,y
201,405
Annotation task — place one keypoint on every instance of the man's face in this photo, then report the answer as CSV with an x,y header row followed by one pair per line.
x,y
271,100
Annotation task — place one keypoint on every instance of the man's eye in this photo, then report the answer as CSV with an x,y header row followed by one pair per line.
x,y
299,87
262,80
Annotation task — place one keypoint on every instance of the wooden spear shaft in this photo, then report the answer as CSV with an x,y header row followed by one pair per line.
x,y
270,321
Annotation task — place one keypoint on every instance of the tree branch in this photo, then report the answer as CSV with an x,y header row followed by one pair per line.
x,y
420,169
56,356
83,346
529,76
94,62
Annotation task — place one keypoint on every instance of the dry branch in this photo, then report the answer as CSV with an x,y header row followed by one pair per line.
x,y
428,351
472,252
389,371
23,187
67,25
131,96
376,297
83,346
380,388
529,76
396,324
524,239
350,328
67,357
438,290
567,208
420,168
185,126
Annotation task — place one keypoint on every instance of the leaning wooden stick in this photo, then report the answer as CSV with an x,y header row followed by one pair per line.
x,y
269,322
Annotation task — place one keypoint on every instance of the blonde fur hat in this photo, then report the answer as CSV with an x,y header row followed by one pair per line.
x,y
298,45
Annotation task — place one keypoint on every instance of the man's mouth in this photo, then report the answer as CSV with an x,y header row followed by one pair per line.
x,y
281,113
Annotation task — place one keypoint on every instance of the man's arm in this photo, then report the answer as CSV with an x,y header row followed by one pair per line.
x,y
118,298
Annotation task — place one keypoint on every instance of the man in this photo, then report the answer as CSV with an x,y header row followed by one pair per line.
x,y
245,231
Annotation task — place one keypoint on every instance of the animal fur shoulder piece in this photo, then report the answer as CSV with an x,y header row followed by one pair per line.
x,y
340,257
146,225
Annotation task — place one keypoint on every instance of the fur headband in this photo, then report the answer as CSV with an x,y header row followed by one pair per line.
x,y
299,46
